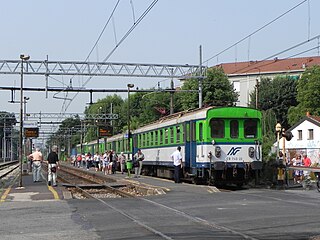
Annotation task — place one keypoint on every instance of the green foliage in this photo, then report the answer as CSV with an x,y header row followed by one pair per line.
x,y
308,95
68,134
277,95
103,106
269,122
217,91
6,119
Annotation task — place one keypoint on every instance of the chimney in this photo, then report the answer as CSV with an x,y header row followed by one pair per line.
x,y
308,114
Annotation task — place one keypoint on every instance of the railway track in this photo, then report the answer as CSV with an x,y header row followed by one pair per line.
x,y
92,185
7,168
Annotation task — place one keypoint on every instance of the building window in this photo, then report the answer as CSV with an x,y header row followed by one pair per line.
x,y
299,134
310,132
236,86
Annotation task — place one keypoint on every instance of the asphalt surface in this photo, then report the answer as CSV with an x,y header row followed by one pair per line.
x,y
184,212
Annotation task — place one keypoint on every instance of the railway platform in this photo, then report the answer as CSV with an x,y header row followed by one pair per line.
x,y
31,191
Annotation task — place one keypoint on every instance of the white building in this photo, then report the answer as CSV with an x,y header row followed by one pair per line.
x,y
244,75
306,138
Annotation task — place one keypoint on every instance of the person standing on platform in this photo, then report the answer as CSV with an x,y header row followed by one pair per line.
x,y
122,161
36,159
53,166
96,161
306,163
177,162
129,166
138,158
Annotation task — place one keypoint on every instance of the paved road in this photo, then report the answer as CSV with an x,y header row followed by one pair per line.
x,y
197,213
185,212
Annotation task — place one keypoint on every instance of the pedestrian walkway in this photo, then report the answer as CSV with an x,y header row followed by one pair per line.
x,y
30,191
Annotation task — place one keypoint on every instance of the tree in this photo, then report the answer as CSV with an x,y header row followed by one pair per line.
x,y
68,134
103,106
217,91
308,95
277,95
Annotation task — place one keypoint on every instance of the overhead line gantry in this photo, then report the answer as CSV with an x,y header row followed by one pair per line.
x,y
78,68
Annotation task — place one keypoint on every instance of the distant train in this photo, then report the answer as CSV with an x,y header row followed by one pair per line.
x,y
221,145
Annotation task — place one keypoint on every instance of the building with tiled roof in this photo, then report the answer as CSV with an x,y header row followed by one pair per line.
x,y
306,138
244,75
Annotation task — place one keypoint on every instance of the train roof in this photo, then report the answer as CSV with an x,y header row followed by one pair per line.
x,y
176,118
194,114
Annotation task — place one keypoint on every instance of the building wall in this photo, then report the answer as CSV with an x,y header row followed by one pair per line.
x,y
305,145
245,84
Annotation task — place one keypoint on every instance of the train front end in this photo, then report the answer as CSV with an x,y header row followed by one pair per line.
x,y
234,151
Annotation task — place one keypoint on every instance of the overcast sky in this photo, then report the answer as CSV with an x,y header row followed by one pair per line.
x,y
171,33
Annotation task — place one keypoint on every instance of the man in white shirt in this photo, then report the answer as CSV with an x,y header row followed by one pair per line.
x,y
177,162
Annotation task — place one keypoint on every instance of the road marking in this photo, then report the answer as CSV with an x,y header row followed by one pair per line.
x,y
54,192
5,194
22,197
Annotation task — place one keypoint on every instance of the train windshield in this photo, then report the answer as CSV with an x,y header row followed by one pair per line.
x,y
250,128
217,128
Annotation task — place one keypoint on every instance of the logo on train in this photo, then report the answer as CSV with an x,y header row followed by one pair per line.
x,y
234,150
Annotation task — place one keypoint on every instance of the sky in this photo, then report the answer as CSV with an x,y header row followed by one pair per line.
x,y
171,33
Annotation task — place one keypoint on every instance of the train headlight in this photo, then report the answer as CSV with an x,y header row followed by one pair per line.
x,y
251,152
213,142
217,152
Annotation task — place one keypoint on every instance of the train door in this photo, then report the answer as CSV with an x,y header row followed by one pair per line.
x,y
190,147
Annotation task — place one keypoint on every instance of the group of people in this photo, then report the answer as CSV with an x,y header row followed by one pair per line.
x,y
300,175
52,160
108,163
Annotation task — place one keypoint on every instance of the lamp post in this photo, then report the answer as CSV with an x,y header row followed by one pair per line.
x,y
27,142
278,130
129,85
23,57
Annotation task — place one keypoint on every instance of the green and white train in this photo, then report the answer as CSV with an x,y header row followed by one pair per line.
x,y
218,144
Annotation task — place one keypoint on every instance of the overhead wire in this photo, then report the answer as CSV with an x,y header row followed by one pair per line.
x,y
142,16
96,43
253,65
256,31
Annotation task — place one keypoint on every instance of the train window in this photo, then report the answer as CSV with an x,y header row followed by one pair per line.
x,y
161,137
156,138
148,139
171,135
250,128
125,144
178,133
234,129
187,132
166,136
201,132
217,128
144,139
151,139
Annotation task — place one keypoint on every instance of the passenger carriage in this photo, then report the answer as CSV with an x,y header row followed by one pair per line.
x,y
219,144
